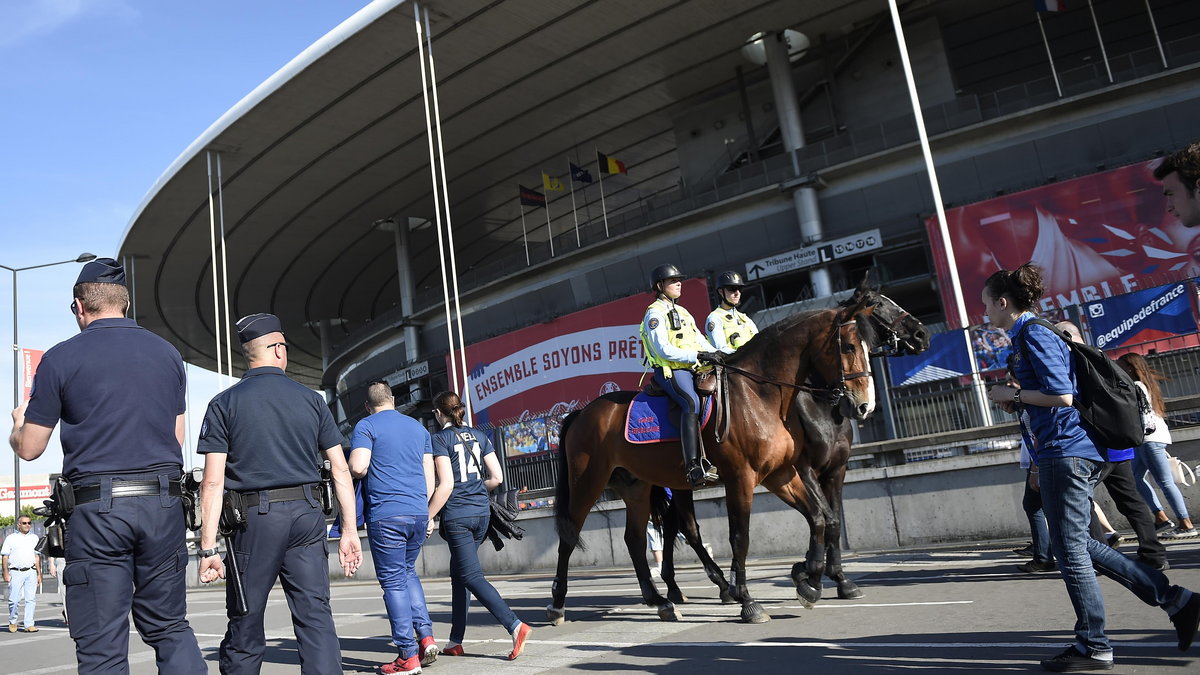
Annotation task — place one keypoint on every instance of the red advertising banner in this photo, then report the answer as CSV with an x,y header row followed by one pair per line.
x,y
30,358
1094,237
563,364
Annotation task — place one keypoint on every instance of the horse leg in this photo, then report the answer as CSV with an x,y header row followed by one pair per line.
x,y
684,509
739,500
582,496
637,513
798,490
847,590
670,524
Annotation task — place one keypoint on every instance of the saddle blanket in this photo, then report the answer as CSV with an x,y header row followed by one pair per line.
x,y
648,420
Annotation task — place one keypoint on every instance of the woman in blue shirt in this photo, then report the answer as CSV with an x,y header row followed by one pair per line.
x,y
1069,465
465,520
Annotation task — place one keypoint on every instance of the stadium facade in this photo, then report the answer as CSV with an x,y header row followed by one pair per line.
x,y
795,161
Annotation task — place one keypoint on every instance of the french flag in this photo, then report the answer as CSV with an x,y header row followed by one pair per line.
x,y
1050,5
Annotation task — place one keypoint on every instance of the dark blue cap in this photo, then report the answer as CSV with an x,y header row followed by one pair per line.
x,y
102,271
257,325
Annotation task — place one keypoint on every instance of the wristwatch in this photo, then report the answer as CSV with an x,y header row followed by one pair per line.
x,y
1017,397
203,553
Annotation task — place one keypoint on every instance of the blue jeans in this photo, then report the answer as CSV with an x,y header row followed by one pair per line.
x,y
22,588
464,536
395,544
1067,484
1038,532
1152,457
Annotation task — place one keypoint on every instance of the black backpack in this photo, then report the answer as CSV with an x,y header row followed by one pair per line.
x,y
1109,402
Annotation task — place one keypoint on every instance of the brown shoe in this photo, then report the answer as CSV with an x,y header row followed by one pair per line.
x,y
32,629
12,627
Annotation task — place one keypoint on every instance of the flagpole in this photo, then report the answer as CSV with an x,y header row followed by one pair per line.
x,y
549,232
1100,39
603,208
524,235
574,214
1049,55
1157,39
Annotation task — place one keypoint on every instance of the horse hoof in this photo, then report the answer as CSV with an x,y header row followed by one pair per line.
x,y
849,591
677,597
808,594
727,598
668,612
754,613
555,616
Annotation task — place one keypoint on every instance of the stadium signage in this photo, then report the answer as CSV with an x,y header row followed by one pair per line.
x,y
810,256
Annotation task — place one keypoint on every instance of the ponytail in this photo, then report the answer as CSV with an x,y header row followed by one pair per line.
x,y
451,406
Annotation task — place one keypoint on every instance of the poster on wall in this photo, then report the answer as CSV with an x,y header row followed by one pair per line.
x,y
527,437
551,368
1144,316
1094,237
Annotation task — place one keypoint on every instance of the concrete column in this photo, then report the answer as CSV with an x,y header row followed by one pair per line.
x,y
323,327
405,278
787,107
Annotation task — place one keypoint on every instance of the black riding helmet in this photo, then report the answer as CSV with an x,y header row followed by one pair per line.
x,y
730,280
662,273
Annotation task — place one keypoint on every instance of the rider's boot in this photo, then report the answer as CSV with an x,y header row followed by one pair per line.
x,y
699,471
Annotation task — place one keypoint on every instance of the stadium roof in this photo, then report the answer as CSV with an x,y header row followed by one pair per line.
x,y
335,141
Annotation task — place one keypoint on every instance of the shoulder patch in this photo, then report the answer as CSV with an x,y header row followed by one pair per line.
x,y
711,325
204,429
653,322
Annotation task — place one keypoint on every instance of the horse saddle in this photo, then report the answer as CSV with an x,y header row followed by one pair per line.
x,y
655,419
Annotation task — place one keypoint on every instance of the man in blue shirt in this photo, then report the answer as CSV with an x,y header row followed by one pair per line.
x,y
119,391
392,451
263,439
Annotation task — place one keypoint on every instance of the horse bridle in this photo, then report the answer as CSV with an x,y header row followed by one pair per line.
x,y
889,345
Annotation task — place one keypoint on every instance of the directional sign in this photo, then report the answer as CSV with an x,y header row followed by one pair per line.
x,y
809,256
409,374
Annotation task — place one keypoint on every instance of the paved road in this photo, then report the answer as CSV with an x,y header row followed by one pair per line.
x,y
963,608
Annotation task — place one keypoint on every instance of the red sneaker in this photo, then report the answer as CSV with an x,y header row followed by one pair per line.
x,y
428,651
402,666
454,650
519,638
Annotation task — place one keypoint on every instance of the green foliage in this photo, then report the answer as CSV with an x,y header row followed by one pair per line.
x,y
26,510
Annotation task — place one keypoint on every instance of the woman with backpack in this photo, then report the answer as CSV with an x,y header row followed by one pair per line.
x,y
1152,455
1069,465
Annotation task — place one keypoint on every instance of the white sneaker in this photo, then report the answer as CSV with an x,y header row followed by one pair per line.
x,y
656,572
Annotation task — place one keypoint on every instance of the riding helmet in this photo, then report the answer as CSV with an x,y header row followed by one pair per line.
x,y
730,280
664,272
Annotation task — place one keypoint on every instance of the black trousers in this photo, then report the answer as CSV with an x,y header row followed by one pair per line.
x,y
1123,490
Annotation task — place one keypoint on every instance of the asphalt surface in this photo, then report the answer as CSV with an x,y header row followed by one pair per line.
x,y
961,608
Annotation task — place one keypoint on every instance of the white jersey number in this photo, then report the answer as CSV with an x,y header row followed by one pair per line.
x,y
466,458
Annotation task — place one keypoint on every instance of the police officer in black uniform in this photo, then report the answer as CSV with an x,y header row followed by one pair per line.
x,y
120,393
263,439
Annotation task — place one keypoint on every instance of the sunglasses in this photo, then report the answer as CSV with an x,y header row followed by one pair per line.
x,y
277,344
25,522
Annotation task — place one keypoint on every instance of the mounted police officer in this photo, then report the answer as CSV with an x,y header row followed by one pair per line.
x,y
675,348
727,327
120,393
262,439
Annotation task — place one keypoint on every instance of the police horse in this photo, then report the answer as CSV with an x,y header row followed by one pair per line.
x,y
822,463
763,444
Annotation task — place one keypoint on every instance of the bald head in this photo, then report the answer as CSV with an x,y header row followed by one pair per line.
x,y
1071,330
266,350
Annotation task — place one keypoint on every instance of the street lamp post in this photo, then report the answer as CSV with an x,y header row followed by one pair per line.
x,y
82,258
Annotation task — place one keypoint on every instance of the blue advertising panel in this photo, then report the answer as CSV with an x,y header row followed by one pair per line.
x,y
1142,316
946,357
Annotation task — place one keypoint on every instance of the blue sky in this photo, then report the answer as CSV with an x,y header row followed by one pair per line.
x,y
99,97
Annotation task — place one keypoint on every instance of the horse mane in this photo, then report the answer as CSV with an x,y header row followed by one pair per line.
x,y
853,306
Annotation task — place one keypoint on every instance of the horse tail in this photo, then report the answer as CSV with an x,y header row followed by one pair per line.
x,y
660,504
567,533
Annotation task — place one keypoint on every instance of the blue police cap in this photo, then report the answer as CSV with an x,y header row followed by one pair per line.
x,y
257,325
102,271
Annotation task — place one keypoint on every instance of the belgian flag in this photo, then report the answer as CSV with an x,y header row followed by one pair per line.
x,y
610,165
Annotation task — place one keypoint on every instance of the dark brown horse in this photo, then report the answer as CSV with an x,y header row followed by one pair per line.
x,y
826,451
763,445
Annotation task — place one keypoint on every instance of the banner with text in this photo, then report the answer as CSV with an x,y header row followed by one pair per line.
x,y
30,359
563,364
1152,314
1094,237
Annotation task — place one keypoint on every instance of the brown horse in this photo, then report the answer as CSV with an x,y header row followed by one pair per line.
x,y
762,445
822,463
